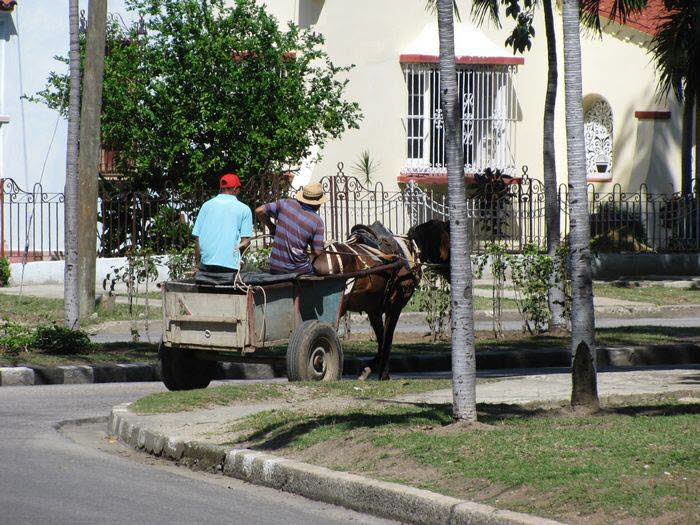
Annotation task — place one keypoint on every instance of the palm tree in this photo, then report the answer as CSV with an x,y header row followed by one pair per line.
x,y
463,350
584,391
520,40
70,291
676,51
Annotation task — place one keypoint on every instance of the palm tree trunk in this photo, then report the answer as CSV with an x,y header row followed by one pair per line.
x,y
584,391
687,143
70,290
555,295
697,137
463,351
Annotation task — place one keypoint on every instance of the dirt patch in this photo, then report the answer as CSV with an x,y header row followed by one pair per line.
x,y
390,465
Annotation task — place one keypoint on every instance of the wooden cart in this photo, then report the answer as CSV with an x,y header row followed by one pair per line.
x,y
203,324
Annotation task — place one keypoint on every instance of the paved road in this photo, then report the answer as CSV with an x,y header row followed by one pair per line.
x,y
45,477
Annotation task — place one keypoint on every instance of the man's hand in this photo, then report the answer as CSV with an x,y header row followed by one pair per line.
x,y
265,219
245,242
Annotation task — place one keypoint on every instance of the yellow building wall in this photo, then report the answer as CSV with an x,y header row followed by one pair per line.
x,y
616,66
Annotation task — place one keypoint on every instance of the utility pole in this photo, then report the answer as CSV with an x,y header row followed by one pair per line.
x,y
89,159
70,279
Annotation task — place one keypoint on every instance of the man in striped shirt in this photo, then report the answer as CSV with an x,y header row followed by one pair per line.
x,y
296,228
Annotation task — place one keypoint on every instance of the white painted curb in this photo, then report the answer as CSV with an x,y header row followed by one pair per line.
x,y
380,498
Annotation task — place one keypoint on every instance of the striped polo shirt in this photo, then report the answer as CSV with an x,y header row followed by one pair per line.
x,y
298,226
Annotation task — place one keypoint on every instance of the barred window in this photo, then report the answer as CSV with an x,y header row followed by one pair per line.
x,y
488,108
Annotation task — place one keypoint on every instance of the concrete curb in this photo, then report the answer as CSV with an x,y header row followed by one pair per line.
x,y
379,498
649,355
80,374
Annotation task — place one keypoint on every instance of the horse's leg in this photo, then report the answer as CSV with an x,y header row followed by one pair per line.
x,y
375,319
390,320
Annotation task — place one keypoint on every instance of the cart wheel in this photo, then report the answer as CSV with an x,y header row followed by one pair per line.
x,y
314,353
182,371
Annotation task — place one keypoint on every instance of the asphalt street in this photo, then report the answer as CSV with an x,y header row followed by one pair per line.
x,y
77,476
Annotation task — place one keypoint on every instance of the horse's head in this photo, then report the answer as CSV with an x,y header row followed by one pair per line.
x,y
432,239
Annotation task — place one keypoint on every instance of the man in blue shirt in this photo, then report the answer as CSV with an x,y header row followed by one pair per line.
x,y
223,229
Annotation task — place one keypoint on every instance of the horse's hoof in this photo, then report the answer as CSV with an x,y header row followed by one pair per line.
x,y
384,377
365,374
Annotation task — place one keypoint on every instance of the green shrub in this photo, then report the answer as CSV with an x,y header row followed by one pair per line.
x,y
59,340
4,272
433,298
256,259
15,338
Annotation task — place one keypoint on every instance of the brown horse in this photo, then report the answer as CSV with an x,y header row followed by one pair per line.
x,y
432,243
382,295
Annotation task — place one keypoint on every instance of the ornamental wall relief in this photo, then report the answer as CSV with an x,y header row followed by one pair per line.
x,y
598,133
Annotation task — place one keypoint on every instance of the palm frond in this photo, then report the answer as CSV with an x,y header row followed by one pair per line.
x,y
620,11
675,49
483,8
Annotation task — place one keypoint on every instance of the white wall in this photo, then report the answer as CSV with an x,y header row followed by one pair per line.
x,y
34,33
51,272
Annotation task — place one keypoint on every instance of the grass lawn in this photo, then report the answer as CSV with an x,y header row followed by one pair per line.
x,y
636,462
103,353
289,392
623,336
39,310
658,295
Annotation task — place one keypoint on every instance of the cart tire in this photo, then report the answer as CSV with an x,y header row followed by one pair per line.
x,y
314,353
181,371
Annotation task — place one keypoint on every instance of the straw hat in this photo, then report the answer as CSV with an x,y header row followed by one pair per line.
x,y
311,194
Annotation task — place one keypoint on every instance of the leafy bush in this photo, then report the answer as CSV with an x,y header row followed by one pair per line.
x,y
256,259
59,340
492,197
168,101
496,253
529,274
433,298
15,338
180,263
4,272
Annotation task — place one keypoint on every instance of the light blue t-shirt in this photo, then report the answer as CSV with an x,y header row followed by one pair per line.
x,y
220,224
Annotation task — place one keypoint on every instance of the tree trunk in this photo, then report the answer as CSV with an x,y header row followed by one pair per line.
x,y
585,392
89,161
555,295
70,280
696,182
687,144
463,351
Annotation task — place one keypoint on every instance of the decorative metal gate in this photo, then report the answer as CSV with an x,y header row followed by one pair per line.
x,y
31,223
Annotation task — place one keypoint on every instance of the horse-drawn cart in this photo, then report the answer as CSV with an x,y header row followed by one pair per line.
x,y
203,324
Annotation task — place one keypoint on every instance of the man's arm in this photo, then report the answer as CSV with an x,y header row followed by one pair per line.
x,y
245,242
265,217
197,253
246,231
317,242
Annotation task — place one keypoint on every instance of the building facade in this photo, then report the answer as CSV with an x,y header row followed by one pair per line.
x,y
632,136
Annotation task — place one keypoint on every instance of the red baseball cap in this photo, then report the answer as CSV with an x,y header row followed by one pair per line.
x,y
230,180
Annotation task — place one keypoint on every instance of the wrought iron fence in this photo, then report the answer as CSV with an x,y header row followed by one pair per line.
x,y
511,212
31,222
